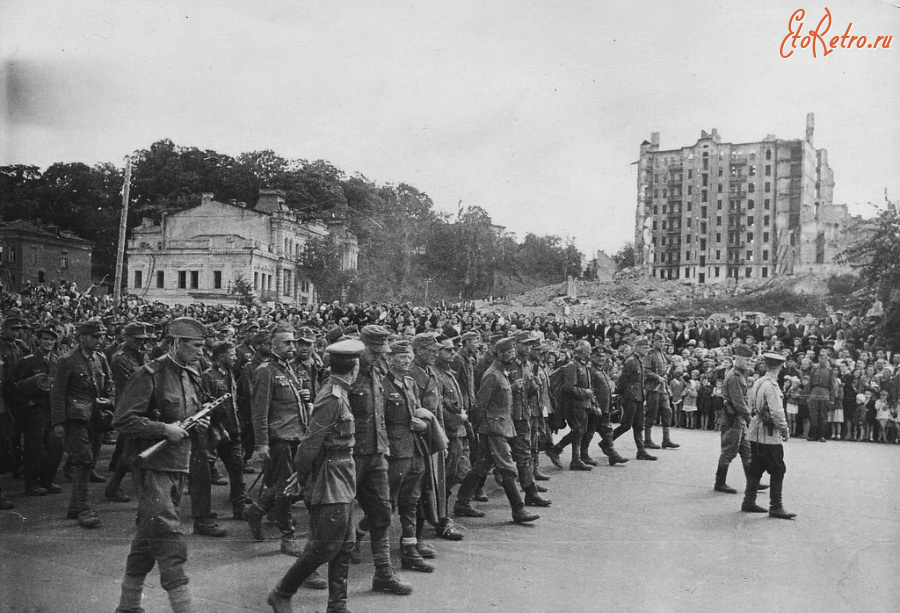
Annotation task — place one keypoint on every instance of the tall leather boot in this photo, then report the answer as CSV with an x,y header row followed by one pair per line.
x,y
533,498
78,506
479,495
586,456
426,549
553,452
721,475
648,438
609,450
749,505
667,441
338,573
535,462
520,514
775,508
576,463
386,580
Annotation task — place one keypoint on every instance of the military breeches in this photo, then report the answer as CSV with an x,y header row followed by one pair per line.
x,y
406,477
41,450
657,405
280,467
374,496
766,459
521,452
496,453
331,540
734,443
159,538
578,424
818,416
539,434
632,418
231,452
81,440
458,463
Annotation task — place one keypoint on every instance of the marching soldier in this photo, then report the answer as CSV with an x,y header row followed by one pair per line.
x,y
80,401
369,455
599,423
307,364
42,450
324,462
578,392
493,416
130,357
406,463
524,390
154,403
280,418
225,435
12,351
455,418
425,349
734,420
630,388
658,402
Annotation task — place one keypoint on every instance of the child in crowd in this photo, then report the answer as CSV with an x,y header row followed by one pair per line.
x,y
870,415
691,391
894,423
792,398
803,406
704,402
858,432
836,414
882,415
676,393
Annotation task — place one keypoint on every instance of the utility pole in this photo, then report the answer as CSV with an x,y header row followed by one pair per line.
x,y
427,281
123,226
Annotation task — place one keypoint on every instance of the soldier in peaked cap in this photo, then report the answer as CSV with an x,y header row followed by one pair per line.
x,y
81,396
41,450
130,357
425,350
324,462
370,456
734,419
280,410
307,364
524,395
768,430
599,422
408,454
493,411
156,400
630,387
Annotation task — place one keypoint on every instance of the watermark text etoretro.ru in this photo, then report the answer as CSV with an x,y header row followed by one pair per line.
x,y
818,41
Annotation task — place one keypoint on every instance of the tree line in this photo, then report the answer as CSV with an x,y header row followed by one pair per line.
x,y
405,243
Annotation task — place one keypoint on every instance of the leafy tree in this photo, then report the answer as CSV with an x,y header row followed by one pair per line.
x,y
320,260
624,257
877,258
243,289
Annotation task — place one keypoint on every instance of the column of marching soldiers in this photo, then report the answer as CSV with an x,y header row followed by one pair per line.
x,y
395,423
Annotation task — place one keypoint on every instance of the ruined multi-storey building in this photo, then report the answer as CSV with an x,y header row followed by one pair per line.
x,y
716,211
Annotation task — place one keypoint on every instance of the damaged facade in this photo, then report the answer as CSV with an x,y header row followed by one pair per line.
x,y
715,212
195,255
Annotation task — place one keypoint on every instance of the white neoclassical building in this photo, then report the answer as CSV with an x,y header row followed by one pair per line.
x,y
195,255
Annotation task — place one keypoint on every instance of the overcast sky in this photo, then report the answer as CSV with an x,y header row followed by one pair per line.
x,y
533,110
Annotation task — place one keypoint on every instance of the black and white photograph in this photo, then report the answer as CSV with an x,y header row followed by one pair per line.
x,y
510,306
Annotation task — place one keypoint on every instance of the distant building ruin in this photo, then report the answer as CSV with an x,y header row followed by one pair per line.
x,y
713,211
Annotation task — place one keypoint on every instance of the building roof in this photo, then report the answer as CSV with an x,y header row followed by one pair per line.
x,y
20,226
